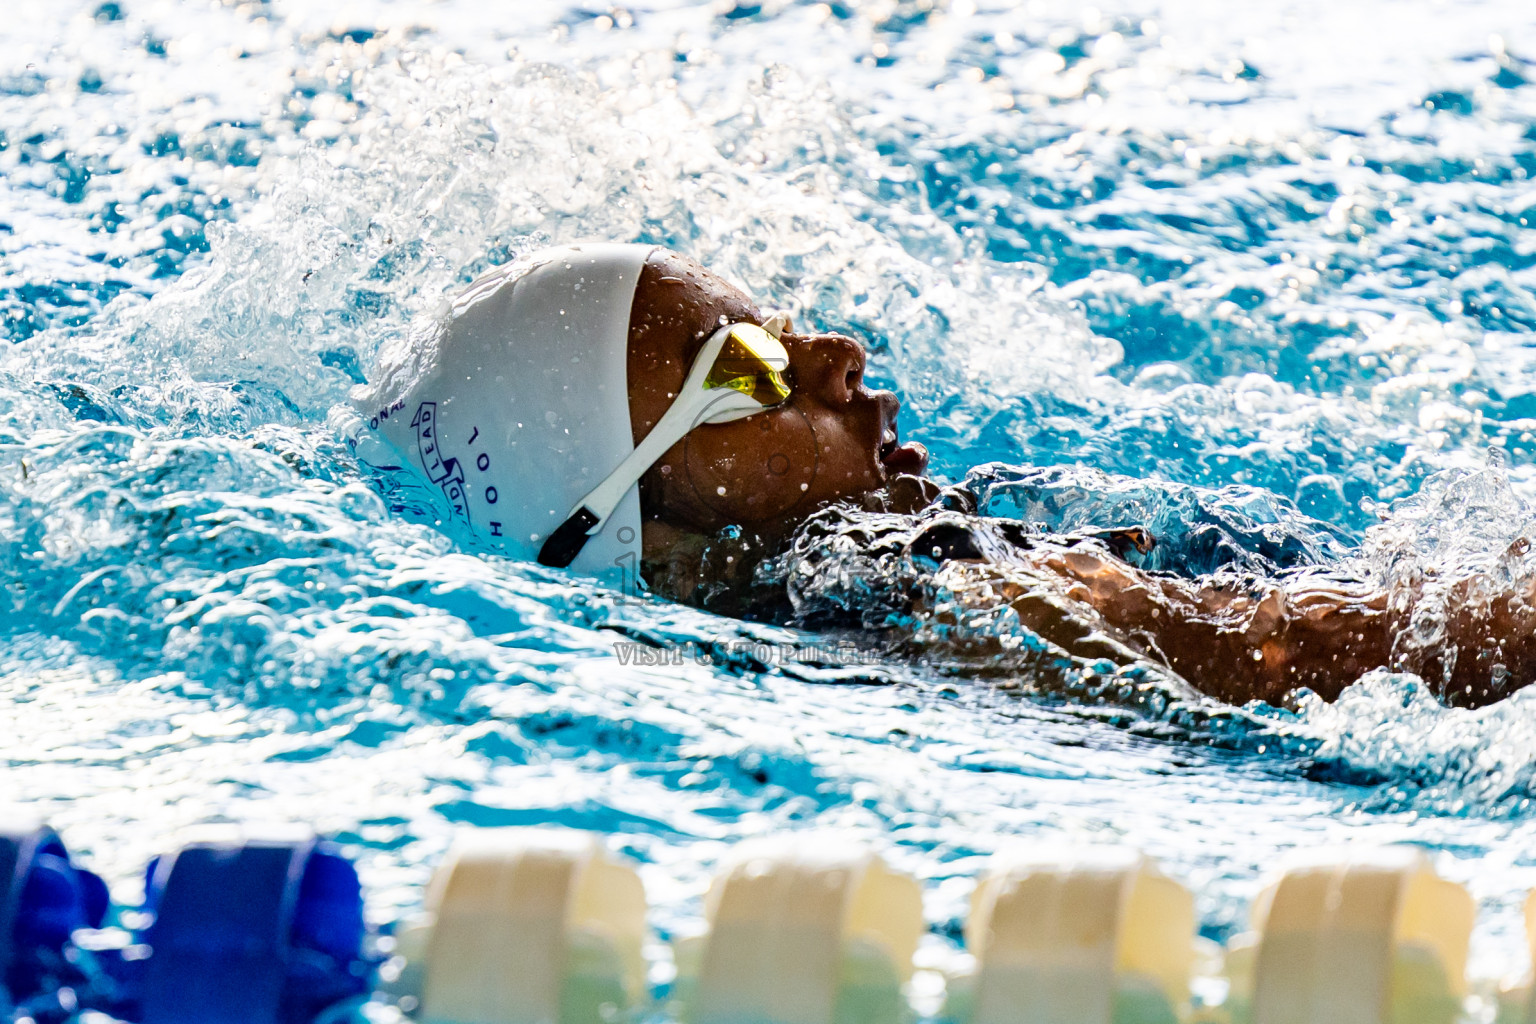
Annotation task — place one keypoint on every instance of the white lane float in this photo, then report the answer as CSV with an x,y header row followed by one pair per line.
x,y
1366,937
1087,935
809,928
526,926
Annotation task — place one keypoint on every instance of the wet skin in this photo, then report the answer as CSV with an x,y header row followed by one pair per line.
x,y
833,439
1264,639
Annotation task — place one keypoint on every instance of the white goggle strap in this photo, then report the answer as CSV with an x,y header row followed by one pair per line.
x,y
562,546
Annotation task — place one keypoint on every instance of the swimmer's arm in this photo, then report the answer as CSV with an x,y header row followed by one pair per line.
x,y
1477,642
1477,646
1234,644
1039,603
1240,643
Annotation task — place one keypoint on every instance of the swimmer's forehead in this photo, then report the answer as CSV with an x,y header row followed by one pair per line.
x,y
678,304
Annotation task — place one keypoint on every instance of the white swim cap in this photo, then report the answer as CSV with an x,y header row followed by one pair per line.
x,y
516,405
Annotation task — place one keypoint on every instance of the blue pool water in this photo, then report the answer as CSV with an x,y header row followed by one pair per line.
x,y
1270,269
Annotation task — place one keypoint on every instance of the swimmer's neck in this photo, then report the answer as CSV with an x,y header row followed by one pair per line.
x,y
707,571
679,554
672,560
659,540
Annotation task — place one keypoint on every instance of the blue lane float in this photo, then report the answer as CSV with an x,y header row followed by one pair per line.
x,y
44,900
251,931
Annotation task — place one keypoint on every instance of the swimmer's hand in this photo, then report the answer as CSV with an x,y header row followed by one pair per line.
x,y
908,495
1121,541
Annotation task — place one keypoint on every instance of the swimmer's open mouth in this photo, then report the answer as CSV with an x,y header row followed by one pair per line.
x,y
910,457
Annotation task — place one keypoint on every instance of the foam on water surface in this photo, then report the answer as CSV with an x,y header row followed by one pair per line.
x,y
1263,277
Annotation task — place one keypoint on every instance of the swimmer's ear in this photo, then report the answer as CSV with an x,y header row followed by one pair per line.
x,y
777,324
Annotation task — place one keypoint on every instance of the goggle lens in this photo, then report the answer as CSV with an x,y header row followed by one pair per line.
x,y
752,362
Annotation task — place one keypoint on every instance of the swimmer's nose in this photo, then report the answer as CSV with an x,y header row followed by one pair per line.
x,y
828,366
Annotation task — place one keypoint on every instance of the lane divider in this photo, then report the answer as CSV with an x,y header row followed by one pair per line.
x,y
524,927
1094,934
527,926
44,900
277,919
806,928
1372,937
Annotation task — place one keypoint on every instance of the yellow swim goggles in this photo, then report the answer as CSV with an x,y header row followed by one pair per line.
x,y
738,372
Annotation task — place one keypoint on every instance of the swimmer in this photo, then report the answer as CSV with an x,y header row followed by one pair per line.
x,y
622,411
